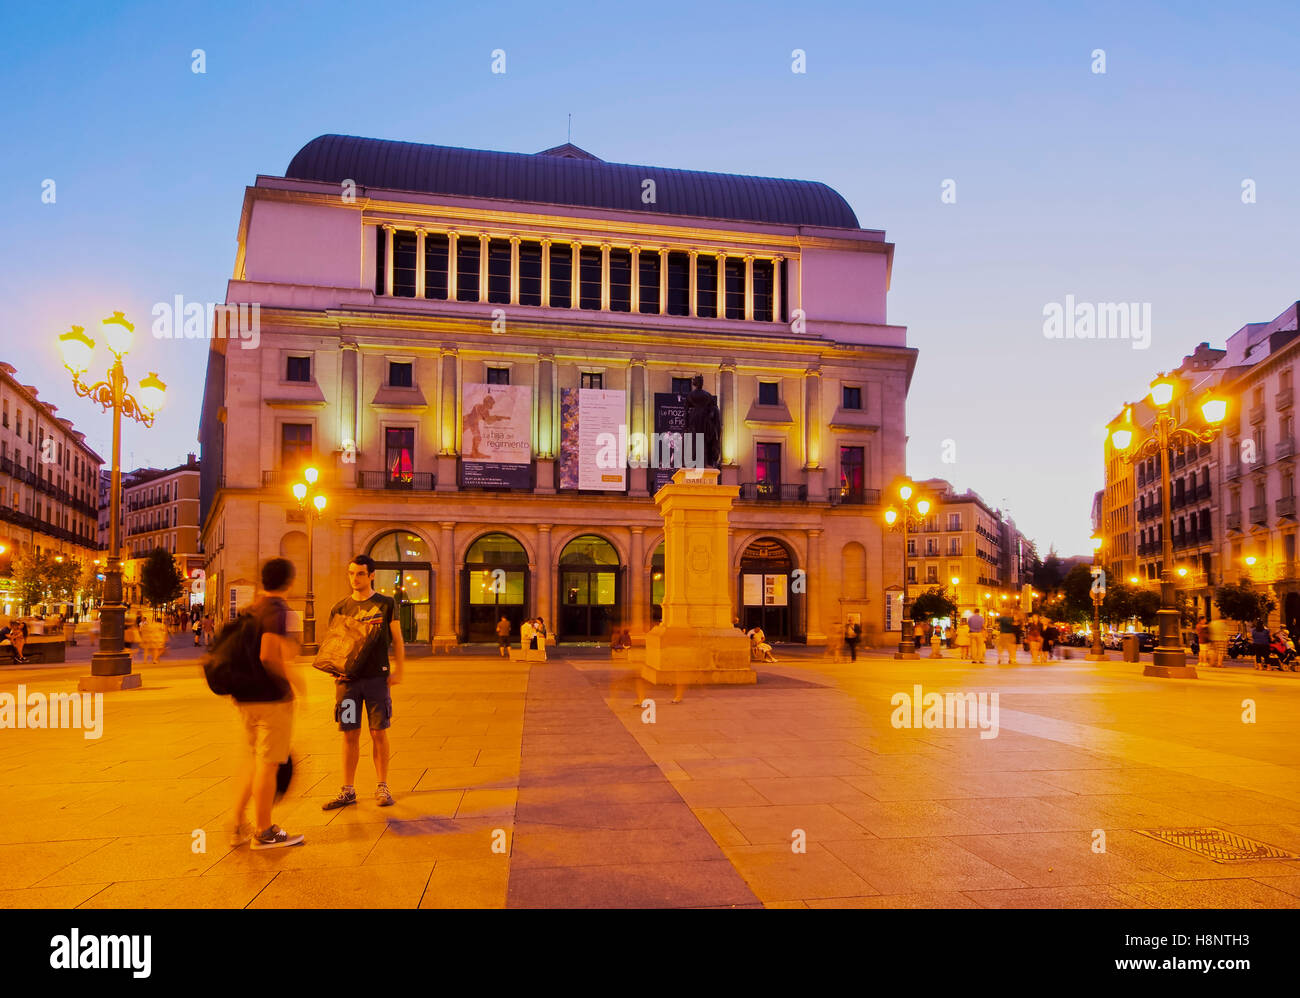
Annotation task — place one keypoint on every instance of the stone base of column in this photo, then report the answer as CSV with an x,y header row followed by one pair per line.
x,y
545,481
1170,671
446,474
816,640
109,684
444,642
1095,658
693,656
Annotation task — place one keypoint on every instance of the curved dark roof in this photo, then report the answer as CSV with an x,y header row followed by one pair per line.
x,y
552,179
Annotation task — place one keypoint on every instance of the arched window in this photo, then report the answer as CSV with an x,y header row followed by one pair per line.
x,y
590,589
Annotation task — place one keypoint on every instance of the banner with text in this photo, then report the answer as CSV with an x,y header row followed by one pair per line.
x,y
593,439
496,445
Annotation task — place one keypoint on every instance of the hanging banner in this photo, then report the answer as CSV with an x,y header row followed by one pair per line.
x,y
593,439
666,448
496,444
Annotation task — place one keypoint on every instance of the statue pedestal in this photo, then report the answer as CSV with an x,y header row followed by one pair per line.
x,y
696,644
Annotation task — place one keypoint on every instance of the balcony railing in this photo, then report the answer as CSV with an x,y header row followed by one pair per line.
x,y
1259,514
1234,521
1231,471
416,481
1284,448
1257,414
773,492
854,497
1286,506
1202,491
1283,399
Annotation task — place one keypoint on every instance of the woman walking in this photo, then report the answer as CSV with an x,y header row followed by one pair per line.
x,y
1034,635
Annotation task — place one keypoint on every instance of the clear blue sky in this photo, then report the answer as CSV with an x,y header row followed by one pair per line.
x,y
1122,187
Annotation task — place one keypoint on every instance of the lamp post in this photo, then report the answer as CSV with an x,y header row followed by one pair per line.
x,y
909,516
110,666
312,504
1169,660
1097,653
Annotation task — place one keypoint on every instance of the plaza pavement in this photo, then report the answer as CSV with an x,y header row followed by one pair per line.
x,y
542,784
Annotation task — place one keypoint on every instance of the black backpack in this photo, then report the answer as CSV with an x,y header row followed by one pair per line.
x,y
234,665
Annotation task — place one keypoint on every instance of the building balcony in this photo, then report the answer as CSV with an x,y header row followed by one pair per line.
x,y
773,492
1202,491
1286,506
1283,448
1231,471
413,481
1259,514
1205,535
851,497
1233,521
1256,414
1283,399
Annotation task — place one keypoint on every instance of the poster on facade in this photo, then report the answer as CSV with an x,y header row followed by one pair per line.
x,y
666,448
496,445
753,592
774,590
593,439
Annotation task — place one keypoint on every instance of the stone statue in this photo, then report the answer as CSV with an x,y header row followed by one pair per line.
x,y
704,417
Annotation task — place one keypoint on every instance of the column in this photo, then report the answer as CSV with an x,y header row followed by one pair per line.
x,y
544,576
813,588
514,270
663,280
348,398
721,259
727,406
574,270
482,266
776,288
637,580
445,597
546,273
448,428
344,533
388,260
637,477
545,456
814,465
636,279
749,287
695,291
604,277
452,237
419,262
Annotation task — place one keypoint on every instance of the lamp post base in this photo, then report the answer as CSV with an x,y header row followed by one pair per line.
x,y
109,684
906,649
1170,671
1095,658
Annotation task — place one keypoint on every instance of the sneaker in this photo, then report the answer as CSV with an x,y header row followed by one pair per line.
x,y
344,798
382,795
275,837
240,834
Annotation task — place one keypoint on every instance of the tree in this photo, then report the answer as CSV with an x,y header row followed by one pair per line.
x,y
1077,586
31,573
62,577
934,602
1047,574
1240,601
160,580
92,586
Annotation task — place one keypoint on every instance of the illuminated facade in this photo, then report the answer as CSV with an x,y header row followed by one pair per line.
x,y
961,538
444,332
160,509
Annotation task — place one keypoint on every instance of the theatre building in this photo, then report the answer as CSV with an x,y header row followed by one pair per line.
x,y
459,340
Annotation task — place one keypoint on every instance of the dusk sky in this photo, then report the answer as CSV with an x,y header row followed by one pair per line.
x,y
1122,186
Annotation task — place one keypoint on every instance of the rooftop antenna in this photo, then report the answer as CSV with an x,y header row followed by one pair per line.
x,y
570,138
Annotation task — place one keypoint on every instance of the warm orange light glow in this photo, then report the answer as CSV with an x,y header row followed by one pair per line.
x,y
118,333
299,491
890,516
319,503
905,491
151,392
923,506
1096,543
1214,410
1182,572
1121,439
311,474
1250,559
1162,392
77,348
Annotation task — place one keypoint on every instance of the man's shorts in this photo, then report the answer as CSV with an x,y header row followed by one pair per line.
x,y
269,729
374,693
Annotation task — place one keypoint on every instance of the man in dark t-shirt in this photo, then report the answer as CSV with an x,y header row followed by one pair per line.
x,y
370,686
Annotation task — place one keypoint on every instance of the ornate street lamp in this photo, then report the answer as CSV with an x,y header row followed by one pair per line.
x,y
110,666
312,504
1097,653
909,516
1169,658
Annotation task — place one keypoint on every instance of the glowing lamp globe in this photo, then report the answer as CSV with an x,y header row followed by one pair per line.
x,y
77,348
319,503
905,491
299,491
890,516
1096,543
1250,559
1214,410
1162,392
1121,439
118,333
151,392
923,506
311,474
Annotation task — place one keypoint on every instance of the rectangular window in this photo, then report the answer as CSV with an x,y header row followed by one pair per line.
x,y
499,271
648,266
911,574
295,446
734,272
620,280
763,290
399,454
932,546
931,574
400,374
467,268
954,521
592,379
681,386
589,278
498,375
404,245
297,369
911,547
561,275
530,273
435,265
381,247
954,545
767,465
852,397
851,471
679,284
769,393
706,287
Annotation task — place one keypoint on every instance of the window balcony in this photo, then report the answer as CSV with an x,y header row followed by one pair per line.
x,y
414,481
1231,471
1286,506
1259,514
1284,448
1202,491
1283,399
851,497
1256,414
1234,521
773,492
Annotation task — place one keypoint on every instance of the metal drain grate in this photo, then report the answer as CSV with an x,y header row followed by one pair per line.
x,y
1218,845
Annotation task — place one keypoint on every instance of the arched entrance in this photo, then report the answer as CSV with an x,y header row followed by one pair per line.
x,y
494,582
591,589
766,595
403,570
